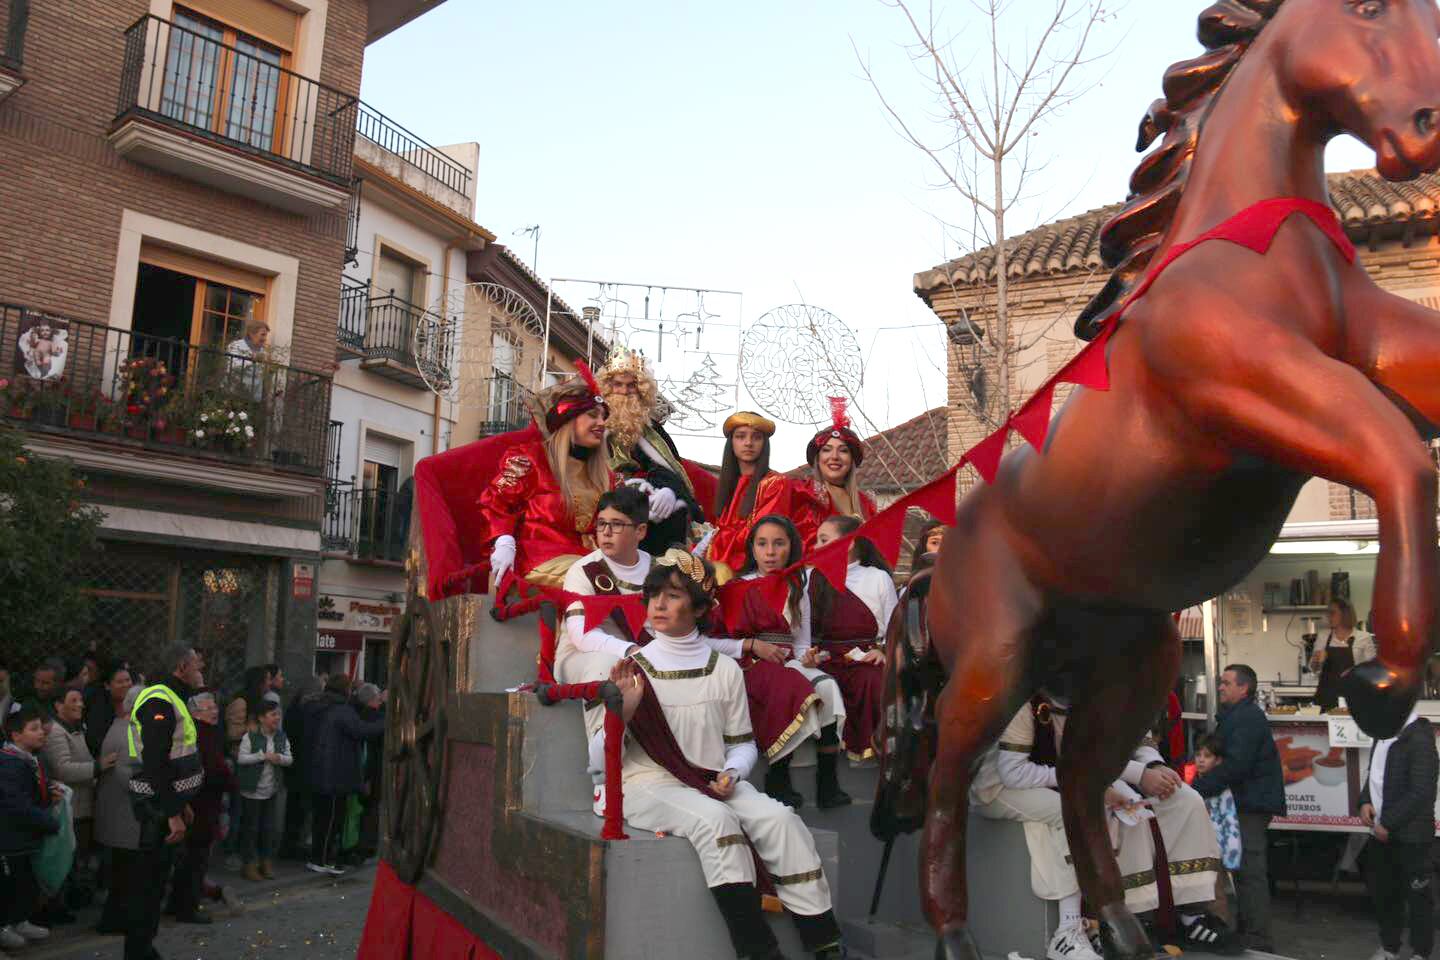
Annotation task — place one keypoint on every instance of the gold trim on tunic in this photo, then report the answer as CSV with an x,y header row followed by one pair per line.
x,y
868,754
730,840
789,879
1178,868
734,738
794,727
1016,747
693,673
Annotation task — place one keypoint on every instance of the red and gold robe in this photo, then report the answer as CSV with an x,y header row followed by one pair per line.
x,y
774,496
813,505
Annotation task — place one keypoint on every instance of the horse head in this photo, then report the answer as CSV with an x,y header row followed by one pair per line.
x,y
1372,67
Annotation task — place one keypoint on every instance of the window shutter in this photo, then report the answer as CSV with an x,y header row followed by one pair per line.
x,y
384,451
260,18
199,267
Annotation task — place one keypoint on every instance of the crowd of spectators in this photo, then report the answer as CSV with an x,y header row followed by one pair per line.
x,y
283,778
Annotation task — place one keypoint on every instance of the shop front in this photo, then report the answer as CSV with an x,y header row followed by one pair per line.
x,y
353,636
1275,621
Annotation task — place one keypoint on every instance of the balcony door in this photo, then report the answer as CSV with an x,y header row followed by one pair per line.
x,y
381,531
184,302
223,79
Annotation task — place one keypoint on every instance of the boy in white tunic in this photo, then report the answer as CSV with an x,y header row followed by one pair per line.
x,y
688,749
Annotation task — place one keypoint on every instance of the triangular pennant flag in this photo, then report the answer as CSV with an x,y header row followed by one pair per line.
x,y
832,559
1033,419
1088,368
937,497
985,455
730,599
597,609
884,530
775,589
635,612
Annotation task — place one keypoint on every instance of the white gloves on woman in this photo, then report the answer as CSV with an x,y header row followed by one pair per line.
x,y
502,556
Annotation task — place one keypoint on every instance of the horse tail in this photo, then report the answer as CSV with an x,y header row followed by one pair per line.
x,y
908,735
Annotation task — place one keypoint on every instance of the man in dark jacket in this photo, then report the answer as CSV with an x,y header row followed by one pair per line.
x,y
186,892
1397,803
334,735
297,783
1252,772
163,737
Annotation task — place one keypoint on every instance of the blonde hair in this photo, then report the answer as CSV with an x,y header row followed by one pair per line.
x,y
851,486
597,467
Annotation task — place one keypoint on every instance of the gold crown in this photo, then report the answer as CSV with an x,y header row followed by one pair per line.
x,y
625,360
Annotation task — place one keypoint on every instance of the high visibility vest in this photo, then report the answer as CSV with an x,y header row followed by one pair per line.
x,y
186,771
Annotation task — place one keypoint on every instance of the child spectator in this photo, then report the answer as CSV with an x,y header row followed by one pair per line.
x,y
25,798
262,750
1397,803
1209,754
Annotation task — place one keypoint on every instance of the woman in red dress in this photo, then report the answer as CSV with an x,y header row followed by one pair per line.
x,y
747,488
540,506
849,633
835,455
780,679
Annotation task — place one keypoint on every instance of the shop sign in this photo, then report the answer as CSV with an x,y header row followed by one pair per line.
x,y
1345,732
302,582
348,613
339,641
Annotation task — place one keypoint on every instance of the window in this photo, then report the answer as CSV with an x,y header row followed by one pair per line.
x,y
504,397
225,80
380,535
195,301
398,276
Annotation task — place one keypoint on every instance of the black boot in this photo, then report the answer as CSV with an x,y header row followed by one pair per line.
x,y
778,785
750,935
828,794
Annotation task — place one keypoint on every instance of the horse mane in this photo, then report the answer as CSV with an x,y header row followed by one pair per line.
x,y
1131,237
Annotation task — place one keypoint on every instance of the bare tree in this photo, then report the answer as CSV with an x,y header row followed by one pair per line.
x,y
993,96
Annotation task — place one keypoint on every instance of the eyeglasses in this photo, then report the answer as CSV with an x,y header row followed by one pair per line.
x,y
613,526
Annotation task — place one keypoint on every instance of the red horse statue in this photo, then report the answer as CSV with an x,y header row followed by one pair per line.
x,y
1242,369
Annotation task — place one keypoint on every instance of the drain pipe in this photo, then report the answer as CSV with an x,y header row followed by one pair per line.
x,y
444,299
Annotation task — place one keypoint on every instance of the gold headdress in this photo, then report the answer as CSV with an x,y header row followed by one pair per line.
x,y
690,565
746,418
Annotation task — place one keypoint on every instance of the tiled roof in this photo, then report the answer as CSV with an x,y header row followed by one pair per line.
x,y
903,457
1363,199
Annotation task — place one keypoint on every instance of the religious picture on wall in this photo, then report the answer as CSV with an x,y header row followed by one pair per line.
x,y
42,347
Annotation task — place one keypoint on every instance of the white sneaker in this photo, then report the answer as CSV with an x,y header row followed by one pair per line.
x,y
231,898
317,867
1382,954
1071,943
336,871
31,931
598,800
10,940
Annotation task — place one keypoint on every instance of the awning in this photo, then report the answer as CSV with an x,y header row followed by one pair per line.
x,y
214,533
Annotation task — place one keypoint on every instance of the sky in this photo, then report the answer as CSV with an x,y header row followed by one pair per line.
x,y
739,146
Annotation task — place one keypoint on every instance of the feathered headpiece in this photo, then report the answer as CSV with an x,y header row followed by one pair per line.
x,y
573,398
839,429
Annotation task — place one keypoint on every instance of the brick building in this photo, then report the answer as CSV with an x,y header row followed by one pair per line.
x,y
1055,270
174,216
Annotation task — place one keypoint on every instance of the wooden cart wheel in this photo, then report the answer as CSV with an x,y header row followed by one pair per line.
x,y
415,738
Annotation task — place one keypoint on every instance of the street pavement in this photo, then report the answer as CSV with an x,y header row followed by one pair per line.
x,y
296,913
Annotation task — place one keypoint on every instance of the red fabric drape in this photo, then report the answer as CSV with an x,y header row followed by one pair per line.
x,y
387,924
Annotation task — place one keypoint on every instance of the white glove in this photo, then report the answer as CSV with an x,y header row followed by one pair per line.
x,y
663,503
641,484
502,556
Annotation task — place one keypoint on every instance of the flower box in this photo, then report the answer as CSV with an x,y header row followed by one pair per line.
x,y
20,413
138,431
174,435
81,421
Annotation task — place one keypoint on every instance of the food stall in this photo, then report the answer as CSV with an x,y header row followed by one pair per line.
x,y
1272,621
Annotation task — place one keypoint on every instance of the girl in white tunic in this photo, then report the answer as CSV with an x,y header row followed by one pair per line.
x,y
688,704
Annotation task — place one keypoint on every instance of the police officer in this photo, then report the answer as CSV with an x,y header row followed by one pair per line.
x,y
162,737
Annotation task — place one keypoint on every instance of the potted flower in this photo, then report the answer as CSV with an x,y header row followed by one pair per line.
x,y
18,397
80,409
146,381
224,423
109,415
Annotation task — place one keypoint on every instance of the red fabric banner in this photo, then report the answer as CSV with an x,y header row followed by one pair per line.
x,y
985,455
1033,420
387,924
936,498
884,530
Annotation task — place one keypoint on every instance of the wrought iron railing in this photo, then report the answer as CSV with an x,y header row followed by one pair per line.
x,y
364,523
83,378
185,79
504,404
389,135
354,303
393,326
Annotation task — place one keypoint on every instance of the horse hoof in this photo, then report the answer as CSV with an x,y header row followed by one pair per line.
x,y
1121,935
956,945
1380,697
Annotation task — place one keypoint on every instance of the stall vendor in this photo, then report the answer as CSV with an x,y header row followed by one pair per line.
x,y
1345,646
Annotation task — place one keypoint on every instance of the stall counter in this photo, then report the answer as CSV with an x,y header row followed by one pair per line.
x,y
1325,761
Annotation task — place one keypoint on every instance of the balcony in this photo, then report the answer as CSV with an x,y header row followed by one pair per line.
x,y
399,341
14,19
504,406
402,155
354,303
86,382
364,524
233,119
